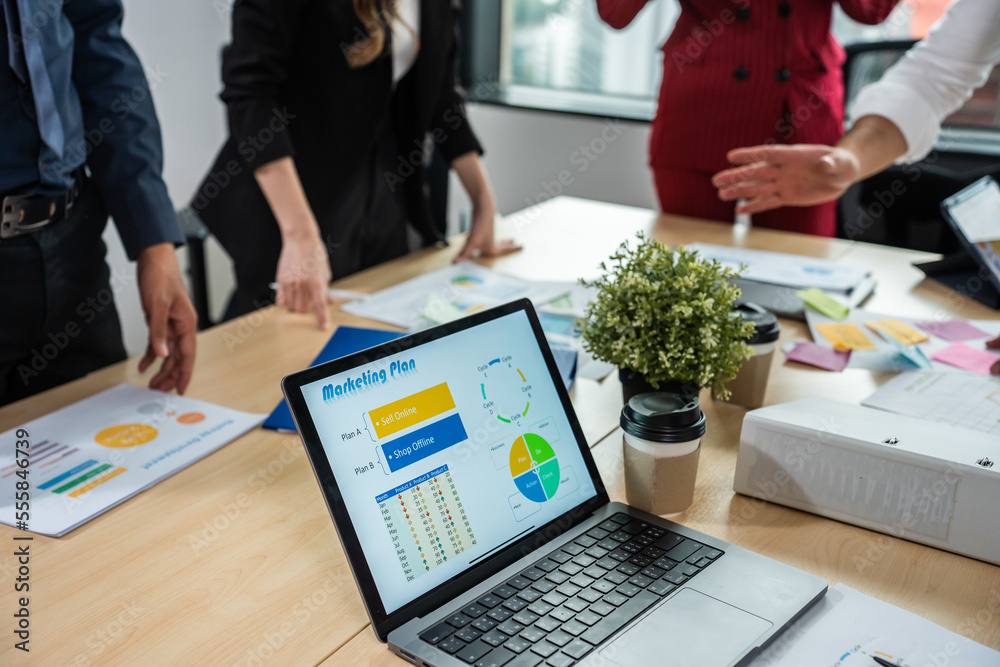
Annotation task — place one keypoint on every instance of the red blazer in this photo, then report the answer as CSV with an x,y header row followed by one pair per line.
x,y
746,72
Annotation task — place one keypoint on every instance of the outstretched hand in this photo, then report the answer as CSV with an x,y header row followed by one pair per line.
x,y
171,318
770,177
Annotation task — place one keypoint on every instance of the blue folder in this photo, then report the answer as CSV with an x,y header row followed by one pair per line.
x,y
344,341
347,340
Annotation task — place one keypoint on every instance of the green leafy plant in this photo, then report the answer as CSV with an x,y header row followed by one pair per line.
x,y
666,313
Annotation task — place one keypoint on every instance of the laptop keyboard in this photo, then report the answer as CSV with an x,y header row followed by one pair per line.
x,y
559,609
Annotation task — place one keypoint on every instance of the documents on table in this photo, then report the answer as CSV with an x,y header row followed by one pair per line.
x,y
779,268
847,628
463,289
886,335
89,456
950,398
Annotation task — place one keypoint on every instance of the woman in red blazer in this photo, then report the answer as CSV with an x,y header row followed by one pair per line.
x,y
739,71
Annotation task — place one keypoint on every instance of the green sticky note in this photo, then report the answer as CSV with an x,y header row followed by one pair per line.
x,y
822,302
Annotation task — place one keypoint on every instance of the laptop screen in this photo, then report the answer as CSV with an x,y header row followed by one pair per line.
x,y
447,452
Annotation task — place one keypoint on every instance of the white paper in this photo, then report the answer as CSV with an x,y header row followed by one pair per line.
x,y
779,268
463,288
91,455
886,357
846,628
961,399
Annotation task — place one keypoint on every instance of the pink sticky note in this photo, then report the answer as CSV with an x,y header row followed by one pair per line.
x,y
952,330
967,358
819,356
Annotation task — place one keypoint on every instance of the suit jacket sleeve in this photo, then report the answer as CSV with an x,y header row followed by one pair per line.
x,y
619,13
868,11
254,71
123,135
450,120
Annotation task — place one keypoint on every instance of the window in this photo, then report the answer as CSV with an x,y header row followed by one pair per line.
x,y
558,54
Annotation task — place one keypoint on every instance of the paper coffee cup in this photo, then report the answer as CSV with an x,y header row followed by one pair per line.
x,y
660,450
750,384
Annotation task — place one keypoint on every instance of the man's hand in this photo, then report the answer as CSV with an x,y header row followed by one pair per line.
x,y
303,276
170,317
775,176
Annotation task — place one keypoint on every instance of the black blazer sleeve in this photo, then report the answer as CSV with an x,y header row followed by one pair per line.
x,y
449,119
254,72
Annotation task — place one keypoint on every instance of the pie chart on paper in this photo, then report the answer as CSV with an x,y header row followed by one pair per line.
x,y
534,467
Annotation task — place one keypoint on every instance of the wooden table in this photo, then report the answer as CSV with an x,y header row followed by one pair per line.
x,y
235,561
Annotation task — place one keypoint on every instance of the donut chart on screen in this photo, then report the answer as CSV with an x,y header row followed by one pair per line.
x,y
534,467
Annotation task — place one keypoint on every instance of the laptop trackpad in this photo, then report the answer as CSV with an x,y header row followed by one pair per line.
x,y
690,629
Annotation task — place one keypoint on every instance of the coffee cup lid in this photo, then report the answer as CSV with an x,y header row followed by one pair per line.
x,y
766,324
663,417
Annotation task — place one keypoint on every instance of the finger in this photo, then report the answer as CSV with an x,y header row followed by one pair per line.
x,y
994,344
758,171
748,191
187,345
504,247
759,205
281,295
755,154
322,310
157,322
300,301
467,252
147,359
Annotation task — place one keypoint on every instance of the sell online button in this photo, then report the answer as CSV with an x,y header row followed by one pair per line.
x,y
418,445
412,410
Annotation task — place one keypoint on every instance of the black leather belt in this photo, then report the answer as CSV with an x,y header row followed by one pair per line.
x,y
24,214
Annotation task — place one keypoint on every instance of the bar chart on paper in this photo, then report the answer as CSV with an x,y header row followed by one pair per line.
x,y
959,399
427,522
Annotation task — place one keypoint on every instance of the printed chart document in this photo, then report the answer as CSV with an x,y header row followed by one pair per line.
x,y
960,399
447,294
89,456
847,628
778,268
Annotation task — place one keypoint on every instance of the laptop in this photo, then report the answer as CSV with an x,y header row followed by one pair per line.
x,y
974,215
479,531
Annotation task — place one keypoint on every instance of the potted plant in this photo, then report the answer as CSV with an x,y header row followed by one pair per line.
x,y
664,316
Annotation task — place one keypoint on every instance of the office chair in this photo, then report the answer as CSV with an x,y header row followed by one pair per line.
x,y
900,206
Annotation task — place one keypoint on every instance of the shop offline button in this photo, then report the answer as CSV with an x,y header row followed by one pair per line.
x,y
424,442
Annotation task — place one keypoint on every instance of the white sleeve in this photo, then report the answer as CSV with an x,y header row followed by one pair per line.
x,y
937,76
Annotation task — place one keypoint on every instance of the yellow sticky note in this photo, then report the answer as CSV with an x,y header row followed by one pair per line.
x,y
822,302
846,336
904,333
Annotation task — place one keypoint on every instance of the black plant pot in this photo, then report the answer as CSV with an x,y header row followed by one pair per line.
x,y
635,383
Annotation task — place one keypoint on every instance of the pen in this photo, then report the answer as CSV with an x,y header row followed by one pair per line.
x,y
338,294
882,661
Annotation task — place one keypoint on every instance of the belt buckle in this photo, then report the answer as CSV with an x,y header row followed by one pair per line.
x,y
11,224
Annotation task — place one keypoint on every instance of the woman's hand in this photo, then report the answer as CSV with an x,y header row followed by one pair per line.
x,y
303,276
481,240
773,176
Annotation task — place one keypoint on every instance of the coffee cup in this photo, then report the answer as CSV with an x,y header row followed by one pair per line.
x,y
750,384
660,449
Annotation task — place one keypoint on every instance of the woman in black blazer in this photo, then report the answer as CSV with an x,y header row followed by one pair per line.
x,y
324,165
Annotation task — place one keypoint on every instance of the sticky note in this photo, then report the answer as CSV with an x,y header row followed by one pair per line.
x,y
968,358
953,330
846,336
822,302
819,356
903,333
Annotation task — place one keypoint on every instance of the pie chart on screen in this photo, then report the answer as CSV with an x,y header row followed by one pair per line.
x,y
534,467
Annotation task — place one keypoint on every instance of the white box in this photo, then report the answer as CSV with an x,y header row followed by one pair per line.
x,y
920,480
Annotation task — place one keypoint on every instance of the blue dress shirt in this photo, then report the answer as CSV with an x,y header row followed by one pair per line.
x,y
103,114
